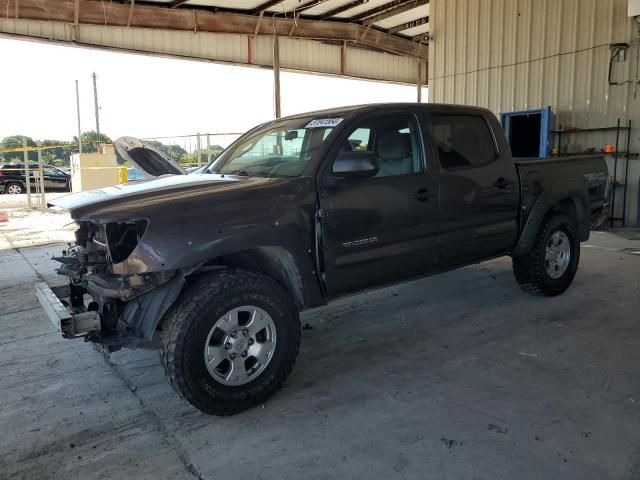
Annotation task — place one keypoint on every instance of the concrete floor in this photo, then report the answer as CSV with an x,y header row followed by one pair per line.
x,y
460,376
29,227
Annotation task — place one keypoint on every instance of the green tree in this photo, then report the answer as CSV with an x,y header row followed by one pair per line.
x,y
175,152
59,156
90,141
192,157
16,141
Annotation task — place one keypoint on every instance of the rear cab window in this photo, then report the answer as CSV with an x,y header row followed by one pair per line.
x,y
463,141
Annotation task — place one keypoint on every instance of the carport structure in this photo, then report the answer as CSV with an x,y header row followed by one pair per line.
x,y
369,39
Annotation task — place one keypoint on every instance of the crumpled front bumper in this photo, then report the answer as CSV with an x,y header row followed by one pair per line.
x,y
68,323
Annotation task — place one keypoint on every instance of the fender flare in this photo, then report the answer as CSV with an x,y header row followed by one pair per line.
x,y
556,195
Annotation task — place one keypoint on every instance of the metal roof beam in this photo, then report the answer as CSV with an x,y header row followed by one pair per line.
x,y
265,6
307,6
163,18
380,9
177,3
421,37
405,7
343,8
408,25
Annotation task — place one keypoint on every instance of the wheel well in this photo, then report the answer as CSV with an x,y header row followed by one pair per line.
x,y
274,262
572,207
566,206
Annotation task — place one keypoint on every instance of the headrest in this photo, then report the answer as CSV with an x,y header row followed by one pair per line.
x,y
393,145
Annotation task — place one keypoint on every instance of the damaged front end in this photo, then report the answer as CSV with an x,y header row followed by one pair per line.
x,y
103,302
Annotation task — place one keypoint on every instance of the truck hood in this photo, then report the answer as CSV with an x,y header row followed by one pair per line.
x,y
145,157
134,197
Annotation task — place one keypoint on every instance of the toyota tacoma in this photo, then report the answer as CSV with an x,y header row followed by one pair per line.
x,y
213,268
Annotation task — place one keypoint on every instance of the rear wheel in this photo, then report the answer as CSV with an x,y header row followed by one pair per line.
x,y
551,265
14,189
230,341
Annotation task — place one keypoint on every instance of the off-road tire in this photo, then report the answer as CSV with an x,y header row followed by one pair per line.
x,y
529,269
13,184
184,332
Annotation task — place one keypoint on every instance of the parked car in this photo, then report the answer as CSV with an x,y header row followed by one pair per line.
x,y
134,175
195,168
12,178
213,269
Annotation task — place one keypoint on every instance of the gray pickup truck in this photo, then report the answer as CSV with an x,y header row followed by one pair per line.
x,y
213,268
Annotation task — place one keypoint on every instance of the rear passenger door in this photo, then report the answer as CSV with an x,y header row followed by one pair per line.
x,y
479,190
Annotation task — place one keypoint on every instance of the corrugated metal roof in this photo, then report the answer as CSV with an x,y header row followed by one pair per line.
x,y
295,54
372,39
361,11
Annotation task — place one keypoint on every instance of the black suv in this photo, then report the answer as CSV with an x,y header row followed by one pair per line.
x,y
12,178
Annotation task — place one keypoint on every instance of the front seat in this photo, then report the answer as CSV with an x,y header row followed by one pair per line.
x,y
394,154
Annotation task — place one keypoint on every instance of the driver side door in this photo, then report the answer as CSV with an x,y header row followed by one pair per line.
x,y
383,228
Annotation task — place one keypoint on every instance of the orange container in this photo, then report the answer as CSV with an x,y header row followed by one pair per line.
x,y
608,148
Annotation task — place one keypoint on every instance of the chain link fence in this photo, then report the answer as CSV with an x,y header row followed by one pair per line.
x,y
32,176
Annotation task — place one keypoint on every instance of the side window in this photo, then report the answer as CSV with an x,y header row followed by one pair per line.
x,y
394,141
52,172
463,141
360,139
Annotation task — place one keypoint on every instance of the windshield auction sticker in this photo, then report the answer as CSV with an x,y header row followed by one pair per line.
x,y
323,123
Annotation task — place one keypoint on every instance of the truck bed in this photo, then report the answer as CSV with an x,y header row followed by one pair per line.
x,y
539,175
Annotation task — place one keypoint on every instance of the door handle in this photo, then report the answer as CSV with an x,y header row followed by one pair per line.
x,y
423,195
501,183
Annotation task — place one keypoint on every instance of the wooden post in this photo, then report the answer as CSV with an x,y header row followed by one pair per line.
x,y
276,76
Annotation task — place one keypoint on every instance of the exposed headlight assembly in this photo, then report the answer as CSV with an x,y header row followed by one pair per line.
x,y
123,238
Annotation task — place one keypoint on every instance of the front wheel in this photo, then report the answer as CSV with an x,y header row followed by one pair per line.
x,y
551,265
230,341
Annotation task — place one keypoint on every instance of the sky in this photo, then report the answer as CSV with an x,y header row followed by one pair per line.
x,y
145,96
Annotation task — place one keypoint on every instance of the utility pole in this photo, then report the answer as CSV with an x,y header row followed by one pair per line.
x,y
276,76
95,98
78,110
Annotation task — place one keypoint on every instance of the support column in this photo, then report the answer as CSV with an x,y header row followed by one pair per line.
x,y
419,81
276,76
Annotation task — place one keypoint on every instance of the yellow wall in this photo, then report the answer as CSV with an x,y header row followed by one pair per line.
x,y
94,170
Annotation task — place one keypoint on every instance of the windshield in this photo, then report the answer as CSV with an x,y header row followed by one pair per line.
x,y
280,150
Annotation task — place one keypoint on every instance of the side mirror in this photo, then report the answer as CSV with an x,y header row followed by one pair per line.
x,y
355,165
